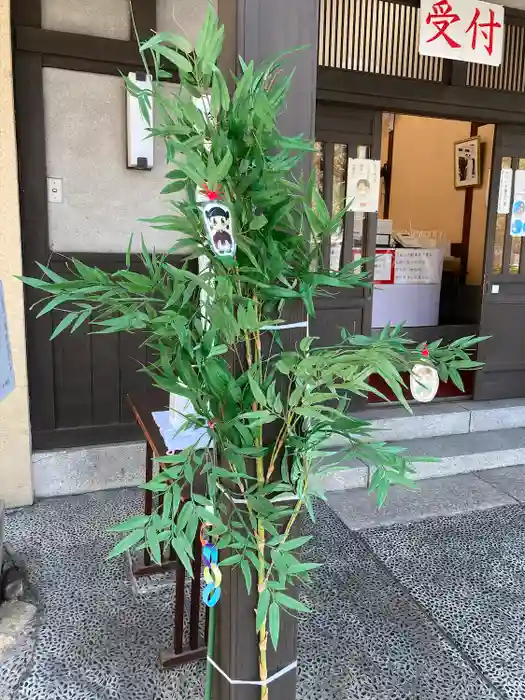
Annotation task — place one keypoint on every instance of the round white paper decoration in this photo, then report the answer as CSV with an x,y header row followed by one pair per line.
x,y
424,383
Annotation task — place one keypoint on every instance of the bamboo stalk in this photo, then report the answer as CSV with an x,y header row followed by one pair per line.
x,y
263,633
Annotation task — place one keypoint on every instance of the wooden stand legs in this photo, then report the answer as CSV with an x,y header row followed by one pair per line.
x,y
195,647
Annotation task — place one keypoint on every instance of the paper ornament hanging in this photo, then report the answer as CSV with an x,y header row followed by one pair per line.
x,y
219,229
424,381
212,576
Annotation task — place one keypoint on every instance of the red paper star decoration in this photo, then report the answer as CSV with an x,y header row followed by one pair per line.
x,y
212,195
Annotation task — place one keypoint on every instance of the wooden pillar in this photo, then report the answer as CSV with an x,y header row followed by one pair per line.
x,y
258,30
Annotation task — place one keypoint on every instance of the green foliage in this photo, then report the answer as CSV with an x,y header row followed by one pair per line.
x,y
269,410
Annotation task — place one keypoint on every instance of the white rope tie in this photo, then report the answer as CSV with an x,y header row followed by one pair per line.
x,y
273,678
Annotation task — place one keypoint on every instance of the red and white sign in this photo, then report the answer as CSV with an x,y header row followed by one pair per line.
x,y
463,30
384,266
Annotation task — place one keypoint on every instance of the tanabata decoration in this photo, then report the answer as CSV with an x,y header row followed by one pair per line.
x,y
267,412
212,574
218,224
424,380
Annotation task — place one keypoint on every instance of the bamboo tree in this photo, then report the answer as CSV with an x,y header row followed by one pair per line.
x,y
195,323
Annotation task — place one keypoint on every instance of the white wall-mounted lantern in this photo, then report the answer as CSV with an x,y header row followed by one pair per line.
x,y
140,141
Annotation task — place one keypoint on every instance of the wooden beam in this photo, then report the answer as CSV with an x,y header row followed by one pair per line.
x,y
419,97
26,12
80,46
258,30
467,217
387,178
84,65
454,73
78,52
144,14
29,103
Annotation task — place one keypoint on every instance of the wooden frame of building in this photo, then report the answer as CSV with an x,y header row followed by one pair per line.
x,y
354,85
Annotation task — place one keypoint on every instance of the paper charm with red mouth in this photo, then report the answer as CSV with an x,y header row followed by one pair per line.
x,y
218,223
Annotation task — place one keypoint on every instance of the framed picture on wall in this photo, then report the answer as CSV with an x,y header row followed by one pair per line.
x,y
467,163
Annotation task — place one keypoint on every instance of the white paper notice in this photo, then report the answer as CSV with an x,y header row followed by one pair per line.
x,y
418,266
463,30
517,222
383,266
505,191
363,184
7,377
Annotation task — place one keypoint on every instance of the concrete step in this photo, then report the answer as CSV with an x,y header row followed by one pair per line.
x,y
458,454
394,423
65,472
446,496
85,469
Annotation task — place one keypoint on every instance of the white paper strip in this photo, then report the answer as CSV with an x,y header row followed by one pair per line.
x,y
505,190
231,681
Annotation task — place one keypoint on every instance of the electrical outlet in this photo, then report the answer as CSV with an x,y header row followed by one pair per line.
x,y
54,190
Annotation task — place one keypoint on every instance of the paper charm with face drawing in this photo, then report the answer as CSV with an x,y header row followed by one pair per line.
x,y
218,224
424,380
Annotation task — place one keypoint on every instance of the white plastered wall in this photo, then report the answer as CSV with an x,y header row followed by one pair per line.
x,y
15,446
86,137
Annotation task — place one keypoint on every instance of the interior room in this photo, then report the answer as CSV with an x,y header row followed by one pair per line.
x,y
435,176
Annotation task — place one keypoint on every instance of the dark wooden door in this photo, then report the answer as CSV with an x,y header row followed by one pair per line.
x,y
78,383
344,132
503,305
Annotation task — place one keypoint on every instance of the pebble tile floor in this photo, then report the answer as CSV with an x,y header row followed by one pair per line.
x,y
434,610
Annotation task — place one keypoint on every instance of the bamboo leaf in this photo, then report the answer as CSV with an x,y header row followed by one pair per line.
x,y
263,604
183,555
64,323
290,545
178,60
152,541
173,187
179,42
291,603
247,573
232,560
223,168
127,543
275,621
257,392
137,521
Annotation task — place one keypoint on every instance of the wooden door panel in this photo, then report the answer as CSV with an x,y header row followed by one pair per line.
x,y
328,323
92,374
78,382
340,131
503,305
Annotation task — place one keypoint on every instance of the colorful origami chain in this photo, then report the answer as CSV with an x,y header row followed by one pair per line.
x,y
212,574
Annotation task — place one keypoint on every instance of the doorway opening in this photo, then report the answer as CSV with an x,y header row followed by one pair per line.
x,y
431,230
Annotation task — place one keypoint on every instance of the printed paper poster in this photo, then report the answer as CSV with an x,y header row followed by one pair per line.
x,y
363,184
517,222
505,191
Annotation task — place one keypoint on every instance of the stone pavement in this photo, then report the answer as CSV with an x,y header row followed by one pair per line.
x,y
432,609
